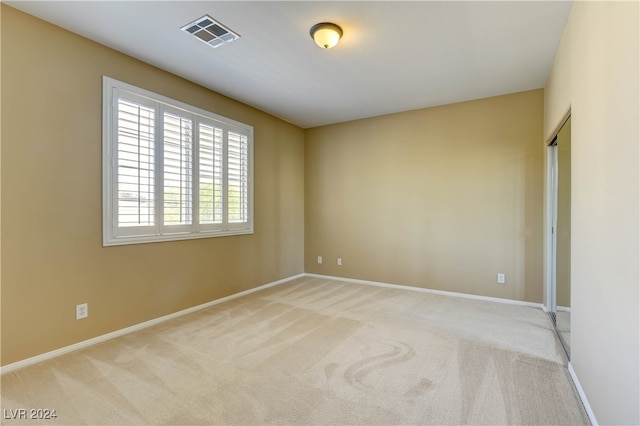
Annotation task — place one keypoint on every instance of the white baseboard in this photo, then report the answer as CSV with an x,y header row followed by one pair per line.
x,y
430,291
86,343
583,396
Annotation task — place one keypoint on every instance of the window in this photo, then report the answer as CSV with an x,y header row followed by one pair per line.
x,y
172,171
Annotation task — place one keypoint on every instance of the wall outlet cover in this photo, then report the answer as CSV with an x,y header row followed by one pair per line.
x,y
82,311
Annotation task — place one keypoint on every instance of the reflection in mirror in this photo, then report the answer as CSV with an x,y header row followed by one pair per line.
x,y
563,237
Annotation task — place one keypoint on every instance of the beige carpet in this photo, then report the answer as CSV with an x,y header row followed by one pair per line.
x,y
314,351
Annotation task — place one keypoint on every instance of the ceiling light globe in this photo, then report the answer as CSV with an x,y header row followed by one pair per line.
x,y
326,34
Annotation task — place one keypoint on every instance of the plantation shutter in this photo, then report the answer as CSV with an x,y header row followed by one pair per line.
x,y
135,158
237,178
172,171
178,172
211,140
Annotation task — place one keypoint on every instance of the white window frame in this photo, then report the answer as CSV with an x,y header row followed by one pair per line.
x,y
113,233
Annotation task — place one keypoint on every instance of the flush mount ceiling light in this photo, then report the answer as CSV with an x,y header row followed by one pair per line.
x,y
326,34
208,30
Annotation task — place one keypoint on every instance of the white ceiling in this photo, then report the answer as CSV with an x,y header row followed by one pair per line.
x,y
394,56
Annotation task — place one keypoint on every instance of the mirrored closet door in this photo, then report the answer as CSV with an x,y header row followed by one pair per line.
x,y
560,151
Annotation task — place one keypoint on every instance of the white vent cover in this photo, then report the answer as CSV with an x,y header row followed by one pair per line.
x,y
208,30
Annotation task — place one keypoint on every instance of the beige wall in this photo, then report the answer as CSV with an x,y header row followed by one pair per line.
x,y
442,198
52,254
596,73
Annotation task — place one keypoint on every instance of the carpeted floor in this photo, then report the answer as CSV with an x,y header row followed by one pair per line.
x,y
314,351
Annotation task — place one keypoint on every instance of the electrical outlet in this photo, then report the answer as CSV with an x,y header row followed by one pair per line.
x,y
319,260
82,311
501,278
339,261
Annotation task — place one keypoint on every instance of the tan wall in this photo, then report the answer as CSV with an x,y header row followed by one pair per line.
x,y
596,73
442,198
52,254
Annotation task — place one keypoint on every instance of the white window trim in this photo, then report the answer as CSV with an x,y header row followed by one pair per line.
x,y
114,235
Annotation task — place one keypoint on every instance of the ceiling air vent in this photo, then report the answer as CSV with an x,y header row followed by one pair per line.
x,y
207,30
